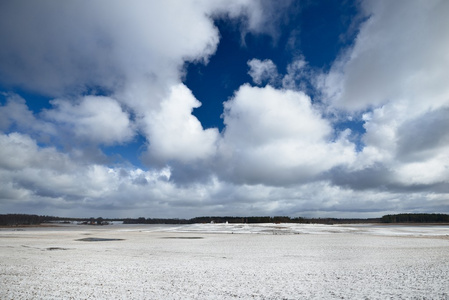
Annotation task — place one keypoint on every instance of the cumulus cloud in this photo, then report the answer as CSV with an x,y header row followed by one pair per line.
x,y
53,178
431,171
175,134
395,75
39,180
262,71
19,151
400,53
297,75
81,45
133,54
134,50
96,119
42,180
278,137
15,115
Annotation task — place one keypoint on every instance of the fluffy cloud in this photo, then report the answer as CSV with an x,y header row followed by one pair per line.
x,y
106,48
43,180
395,74
98,120
297,76
48,177
134,50
135,54
262,71
15,114
278,137
175,134
91,120
400,53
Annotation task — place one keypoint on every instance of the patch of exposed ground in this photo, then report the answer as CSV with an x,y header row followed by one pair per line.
x,y
94,239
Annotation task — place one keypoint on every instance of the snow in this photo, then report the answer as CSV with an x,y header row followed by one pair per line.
x,y
225,261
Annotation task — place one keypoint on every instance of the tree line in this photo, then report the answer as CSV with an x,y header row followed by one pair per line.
x,y
248,220
23,219
416,218
26,219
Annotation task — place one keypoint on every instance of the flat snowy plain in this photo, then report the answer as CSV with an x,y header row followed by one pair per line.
x,y
225,261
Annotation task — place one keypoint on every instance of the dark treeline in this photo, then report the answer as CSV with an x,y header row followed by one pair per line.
x,y
25,219
250,220
416,218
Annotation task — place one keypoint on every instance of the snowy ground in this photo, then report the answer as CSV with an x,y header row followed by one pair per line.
x,y
225,261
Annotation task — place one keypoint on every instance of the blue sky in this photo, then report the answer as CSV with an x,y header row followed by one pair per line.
x,y
315,30
182,109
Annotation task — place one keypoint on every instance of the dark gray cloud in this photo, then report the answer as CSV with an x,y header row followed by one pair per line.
x,y
377,177
424,135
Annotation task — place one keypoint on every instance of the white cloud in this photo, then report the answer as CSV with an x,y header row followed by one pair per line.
x,y
93,46
432,170
175,134
136,51
18,151
16,114
277,137
396,72
401,53
133,53
55,179
262,71
296,76
96,119
44,180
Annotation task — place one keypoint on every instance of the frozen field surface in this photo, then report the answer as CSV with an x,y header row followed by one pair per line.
x,y
225,261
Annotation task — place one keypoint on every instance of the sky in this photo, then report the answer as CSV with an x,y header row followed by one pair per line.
x,y
178,109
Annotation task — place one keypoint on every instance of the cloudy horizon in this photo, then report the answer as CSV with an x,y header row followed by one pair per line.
x,y
193,108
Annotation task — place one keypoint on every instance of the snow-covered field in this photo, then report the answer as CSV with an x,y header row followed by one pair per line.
x,y
225,261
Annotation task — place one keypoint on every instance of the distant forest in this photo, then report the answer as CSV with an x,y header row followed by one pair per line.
x,y
416,218
249,220
25,219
